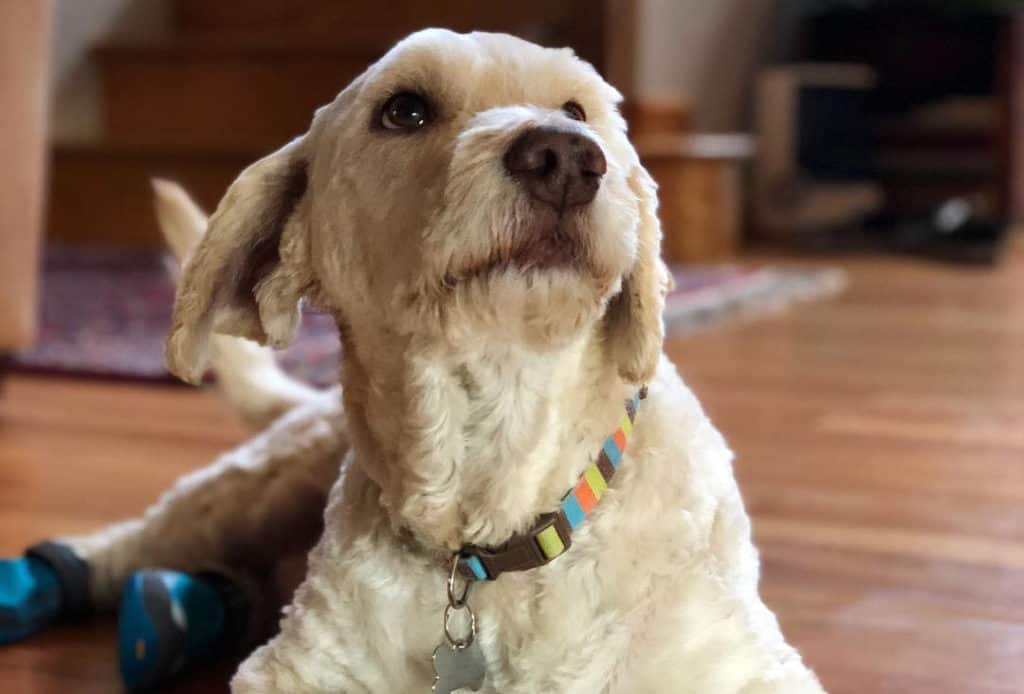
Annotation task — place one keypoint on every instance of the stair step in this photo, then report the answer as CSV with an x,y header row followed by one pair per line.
x,y
203,15
100,194
227,94
370,21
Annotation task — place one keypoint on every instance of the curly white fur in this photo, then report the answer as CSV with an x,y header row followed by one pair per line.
x,y
475,392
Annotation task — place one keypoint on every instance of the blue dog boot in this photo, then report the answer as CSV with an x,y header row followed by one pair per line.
x,y
169,621
29,598
49,584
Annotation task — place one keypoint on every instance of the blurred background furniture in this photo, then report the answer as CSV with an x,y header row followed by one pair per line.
x,y
24,50
1012,117
815,166
701,180
879,114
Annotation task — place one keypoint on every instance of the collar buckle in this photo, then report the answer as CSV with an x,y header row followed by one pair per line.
x,y
550,536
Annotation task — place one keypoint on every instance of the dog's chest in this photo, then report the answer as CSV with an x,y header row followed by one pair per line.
x,y
559,618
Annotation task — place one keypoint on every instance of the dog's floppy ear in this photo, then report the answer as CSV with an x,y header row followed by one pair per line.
x,y
250,271
634,321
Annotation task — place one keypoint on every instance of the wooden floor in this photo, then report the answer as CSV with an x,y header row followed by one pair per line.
x,y
880,443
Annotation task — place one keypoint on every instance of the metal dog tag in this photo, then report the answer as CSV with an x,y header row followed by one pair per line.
x,y
458,668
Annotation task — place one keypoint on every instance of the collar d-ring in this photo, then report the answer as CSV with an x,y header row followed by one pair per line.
x,y
456,601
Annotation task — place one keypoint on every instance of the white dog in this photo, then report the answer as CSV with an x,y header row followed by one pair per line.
x,y
471,212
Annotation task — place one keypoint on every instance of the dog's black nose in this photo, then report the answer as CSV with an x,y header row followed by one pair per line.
x,y
557,167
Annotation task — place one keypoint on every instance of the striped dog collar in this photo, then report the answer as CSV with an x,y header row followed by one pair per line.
x,y
551,535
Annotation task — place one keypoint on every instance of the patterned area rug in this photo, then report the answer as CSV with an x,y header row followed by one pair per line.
x,y
105,313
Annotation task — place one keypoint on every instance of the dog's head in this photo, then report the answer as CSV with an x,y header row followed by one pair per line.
x,y
477,186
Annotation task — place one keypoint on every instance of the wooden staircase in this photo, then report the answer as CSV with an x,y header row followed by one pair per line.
x,y
233,81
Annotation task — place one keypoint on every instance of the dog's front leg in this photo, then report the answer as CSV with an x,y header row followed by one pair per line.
x,y
367,616
255,504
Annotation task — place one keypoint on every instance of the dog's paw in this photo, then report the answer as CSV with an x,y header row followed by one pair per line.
x,y
30,598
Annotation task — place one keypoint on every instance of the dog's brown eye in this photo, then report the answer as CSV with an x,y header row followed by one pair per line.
x,y
574,110
405,111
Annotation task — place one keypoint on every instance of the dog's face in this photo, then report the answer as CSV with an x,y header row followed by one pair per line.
x,y
481,179
474,186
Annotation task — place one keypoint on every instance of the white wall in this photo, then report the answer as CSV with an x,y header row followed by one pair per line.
x,y
78,25
703,51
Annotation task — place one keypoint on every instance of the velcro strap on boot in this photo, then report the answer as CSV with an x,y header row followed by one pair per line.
x,y
73,574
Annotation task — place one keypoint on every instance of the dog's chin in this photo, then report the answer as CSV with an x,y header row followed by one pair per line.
x,y
548,249
541,308
550,241
540,286
547,243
